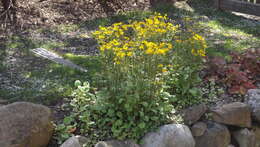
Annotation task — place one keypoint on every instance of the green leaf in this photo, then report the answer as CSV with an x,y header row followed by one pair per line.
x,y
141,113
146,118
128,108
65,136
145,104
121,100
154,118
111,112
118,123
194,91
119,114
77,83
68,120
141,125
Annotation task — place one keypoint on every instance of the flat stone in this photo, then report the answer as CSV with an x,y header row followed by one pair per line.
x,y
216,135
245,138
194,113
198,128
237,114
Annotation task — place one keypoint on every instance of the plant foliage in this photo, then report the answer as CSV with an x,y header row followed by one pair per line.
x,y
240,74
148,67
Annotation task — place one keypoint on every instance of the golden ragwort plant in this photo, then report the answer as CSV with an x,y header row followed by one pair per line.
x,y
136,57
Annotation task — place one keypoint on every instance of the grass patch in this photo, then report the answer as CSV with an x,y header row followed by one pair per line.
x,y
58,80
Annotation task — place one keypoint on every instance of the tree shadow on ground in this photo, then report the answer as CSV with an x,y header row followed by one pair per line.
x,y
205,8
225,18
219,43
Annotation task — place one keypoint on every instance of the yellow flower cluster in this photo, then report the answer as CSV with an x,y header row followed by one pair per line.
x,y
147,37
200,43
155,48
153,26
127,40
200,52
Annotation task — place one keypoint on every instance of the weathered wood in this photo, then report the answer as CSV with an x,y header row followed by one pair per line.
x,y
240,6
56,58
216,4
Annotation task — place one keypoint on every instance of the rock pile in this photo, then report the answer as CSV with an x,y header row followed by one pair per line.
x,y
231,125
235,124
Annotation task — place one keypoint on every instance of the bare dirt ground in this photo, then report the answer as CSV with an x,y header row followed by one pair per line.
x,y
33,13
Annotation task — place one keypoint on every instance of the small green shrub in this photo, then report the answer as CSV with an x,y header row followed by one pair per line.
x,y
80,119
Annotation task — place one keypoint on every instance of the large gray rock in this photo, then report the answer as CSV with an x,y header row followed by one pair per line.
x,y
237,114
198,128
75,141
194,113
216,135
25,125
245,138
116,143
253,100
172,135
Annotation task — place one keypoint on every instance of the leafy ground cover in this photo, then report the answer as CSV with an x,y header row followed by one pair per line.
x,y
25,77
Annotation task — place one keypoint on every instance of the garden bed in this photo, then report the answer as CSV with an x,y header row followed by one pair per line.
x,y
29,78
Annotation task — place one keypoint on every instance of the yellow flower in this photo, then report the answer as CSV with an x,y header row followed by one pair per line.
x,y
149,51
102,28
129,54
178,41
120,54
108,32
117,24
193,51
101,37
149,21
121,32
102,48
145,37
169,46
160,65
204,45
115,42
142,47
198,37
160,51
156,21
164,70
201,52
